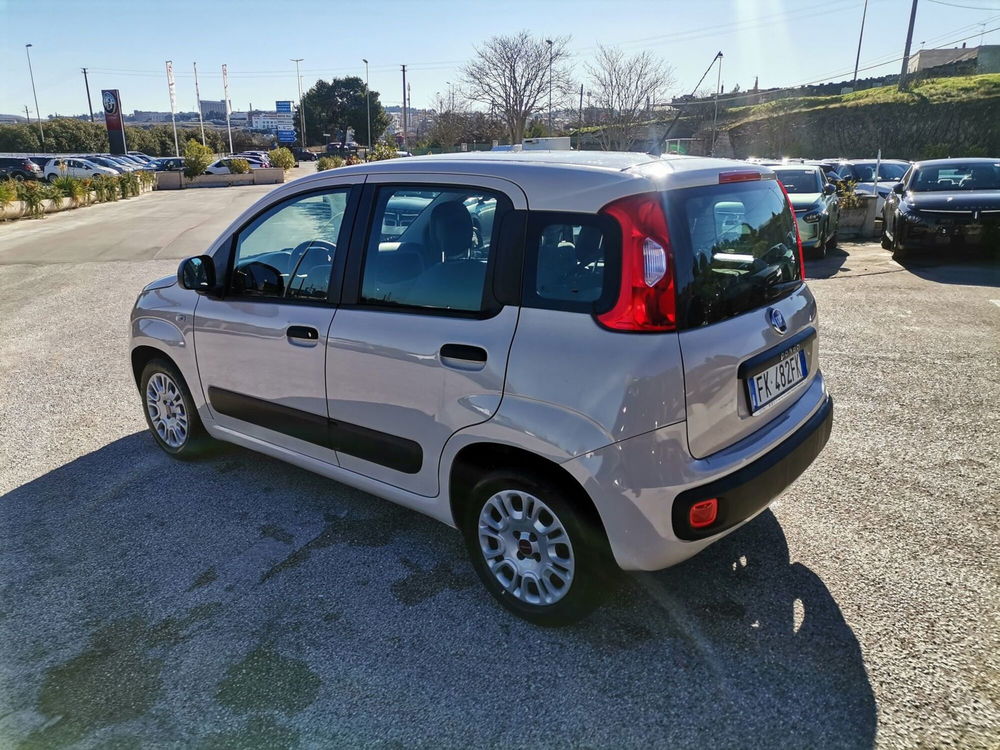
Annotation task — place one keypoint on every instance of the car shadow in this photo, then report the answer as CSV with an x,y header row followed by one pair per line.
x,y
944,267
141,595
825,268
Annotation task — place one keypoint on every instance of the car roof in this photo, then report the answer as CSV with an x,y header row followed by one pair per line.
x,y
970,161
873,161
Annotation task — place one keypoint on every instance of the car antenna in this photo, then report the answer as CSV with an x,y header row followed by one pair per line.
x,y
657,150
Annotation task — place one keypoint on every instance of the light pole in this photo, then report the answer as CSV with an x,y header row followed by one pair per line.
x,y
549,42
38,113
368,104
302,113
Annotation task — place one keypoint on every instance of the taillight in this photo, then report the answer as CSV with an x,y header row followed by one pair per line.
x,y
740,176
798,237
647,297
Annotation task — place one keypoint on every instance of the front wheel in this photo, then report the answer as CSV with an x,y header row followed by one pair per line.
x,y
170,411
537,551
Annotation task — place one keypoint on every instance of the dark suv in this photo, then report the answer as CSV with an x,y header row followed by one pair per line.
x,y
20,168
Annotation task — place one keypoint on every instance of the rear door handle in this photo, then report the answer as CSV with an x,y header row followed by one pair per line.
x,y
307,333
464,352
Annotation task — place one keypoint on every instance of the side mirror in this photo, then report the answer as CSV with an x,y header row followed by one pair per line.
x,y
197,273
898,188
829,188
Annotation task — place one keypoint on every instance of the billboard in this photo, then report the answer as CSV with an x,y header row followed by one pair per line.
x,y
113,119
283,107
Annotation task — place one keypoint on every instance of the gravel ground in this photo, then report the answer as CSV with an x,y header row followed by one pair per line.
x,y
241,602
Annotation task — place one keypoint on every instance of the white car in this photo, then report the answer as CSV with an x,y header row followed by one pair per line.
x,y
75,167
221,166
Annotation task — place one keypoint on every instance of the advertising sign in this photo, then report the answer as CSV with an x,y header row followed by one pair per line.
x,y
283,107
113,119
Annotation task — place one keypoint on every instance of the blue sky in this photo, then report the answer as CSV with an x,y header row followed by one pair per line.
x,y
125,44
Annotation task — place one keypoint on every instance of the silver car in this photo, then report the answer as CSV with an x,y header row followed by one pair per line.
x,y
624,370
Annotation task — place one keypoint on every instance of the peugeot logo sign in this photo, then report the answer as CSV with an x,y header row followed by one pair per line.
x,y
777,320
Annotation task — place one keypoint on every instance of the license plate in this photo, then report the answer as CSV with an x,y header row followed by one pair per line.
x,y
768,384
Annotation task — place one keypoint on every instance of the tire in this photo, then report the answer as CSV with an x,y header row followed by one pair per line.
x,y
831,244
886,242
898,251
169,409
51,177
502,504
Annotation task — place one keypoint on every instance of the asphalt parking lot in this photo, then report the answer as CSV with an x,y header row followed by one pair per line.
x,y
242,602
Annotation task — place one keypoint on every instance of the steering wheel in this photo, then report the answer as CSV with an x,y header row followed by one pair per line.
x,y
298,253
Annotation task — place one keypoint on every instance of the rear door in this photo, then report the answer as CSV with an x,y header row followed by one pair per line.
x,y
418,349
748,337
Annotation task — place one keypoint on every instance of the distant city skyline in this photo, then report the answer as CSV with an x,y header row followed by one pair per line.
x,y
782,43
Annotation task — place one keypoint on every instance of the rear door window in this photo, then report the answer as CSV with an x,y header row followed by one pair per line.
x,y
736,249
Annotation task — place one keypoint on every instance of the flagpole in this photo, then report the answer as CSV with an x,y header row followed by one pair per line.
x,y
225,89
197,93
173,104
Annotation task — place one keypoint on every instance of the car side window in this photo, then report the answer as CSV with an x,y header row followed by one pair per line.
x,y
288,251
431,247
569,263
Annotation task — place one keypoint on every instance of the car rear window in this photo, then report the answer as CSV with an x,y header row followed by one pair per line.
x,y
735,248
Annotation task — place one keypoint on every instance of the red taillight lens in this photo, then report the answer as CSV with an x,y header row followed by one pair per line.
x,y
741,176
798,237
703,514
647,296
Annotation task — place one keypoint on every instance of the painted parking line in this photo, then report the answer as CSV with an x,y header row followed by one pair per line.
x,y
996,302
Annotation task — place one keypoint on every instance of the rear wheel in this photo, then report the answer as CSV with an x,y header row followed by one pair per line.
x,y
170,411
537,552
831,244
886,242
898,251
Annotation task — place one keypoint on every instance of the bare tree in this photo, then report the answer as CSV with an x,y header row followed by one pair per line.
x,y
449,125
625,88
510,75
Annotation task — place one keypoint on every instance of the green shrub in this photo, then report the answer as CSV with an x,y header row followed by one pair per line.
x,y
352,160
846,196
105,187
281,158
8,193
196,159
383,150
239,166
146,179
70,187
33,194
328,162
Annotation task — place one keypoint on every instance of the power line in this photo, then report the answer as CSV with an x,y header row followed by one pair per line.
x,y
966,7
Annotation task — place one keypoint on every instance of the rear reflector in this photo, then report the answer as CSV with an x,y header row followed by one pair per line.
x,y
646,296
742,176
703,514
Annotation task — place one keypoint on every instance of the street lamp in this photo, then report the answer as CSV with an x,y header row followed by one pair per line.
x,y
368,104
549,42
302,109
38,113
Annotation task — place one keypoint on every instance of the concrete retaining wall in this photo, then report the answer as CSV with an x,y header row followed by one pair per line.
x,y
177,181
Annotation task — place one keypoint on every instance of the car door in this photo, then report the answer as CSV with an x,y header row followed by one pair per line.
x,y
260,346
419,347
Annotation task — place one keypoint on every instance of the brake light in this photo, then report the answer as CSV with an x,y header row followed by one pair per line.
x,y
703,514
647,296
798,237
741,176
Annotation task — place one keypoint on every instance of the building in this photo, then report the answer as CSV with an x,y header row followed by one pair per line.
x,y
212,109
984,59
143,116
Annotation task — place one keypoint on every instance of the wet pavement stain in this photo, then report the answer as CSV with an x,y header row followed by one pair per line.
x,y
267,681
422,584
275,532
260,733
204,579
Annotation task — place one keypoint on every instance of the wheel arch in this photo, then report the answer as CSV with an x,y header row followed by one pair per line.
x,y
144,354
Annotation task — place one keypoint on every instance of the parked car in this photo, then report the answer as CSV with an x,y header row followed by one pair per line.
x,y
302,154
104,161
598,392
817,209
221,166
944,203
136,162
862,172
255,159
167,164
75,166
21,168
145,158
126,165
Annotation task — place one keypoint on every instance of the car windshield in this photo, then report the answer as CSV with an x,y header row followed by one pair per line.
x,y
949,177
800,180
866,172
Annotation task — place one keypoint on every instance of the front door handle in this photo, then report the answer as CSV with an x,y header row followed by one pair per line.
x,y
307,333
464,352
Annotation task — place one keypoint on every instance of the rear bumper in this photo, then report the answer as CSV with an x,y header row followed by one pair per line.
x,y
744,493
640,485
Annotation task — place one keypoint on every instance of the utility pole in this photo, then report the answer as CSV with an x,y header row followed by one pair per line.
x,y
368,104
861,36
906,52
302,109
38,112
549,42
405,147
197,93
579,134
715,118
87,84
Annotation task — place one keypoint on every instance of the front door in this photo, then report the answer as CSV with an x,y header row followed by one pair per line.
x,y
421,349
261,347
